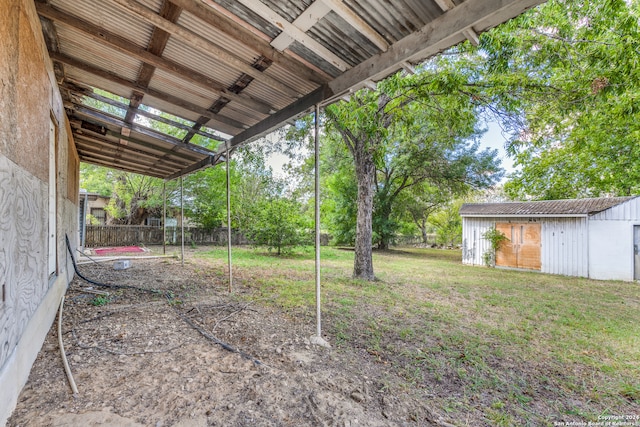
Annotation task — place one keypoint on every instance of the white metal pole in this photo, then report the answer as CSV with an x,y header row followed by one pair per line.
x,y
229,220
317,220
164,218
182,219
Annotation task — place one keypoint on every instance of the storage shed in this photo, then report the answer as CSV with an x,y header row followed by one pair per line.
x,y
597,238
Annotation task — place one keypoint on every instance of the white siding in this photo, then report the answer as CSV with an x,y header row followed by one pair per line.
x,y
611,242
565,246
473,244
564,243
611,250
628,211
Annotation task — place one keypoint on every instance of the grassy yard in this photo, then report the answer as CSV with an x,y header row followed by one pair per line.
x,y
482,345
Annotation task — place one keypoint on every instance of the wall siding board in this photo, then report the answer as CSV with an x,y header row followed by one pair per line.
x,y
29,100
564,246
625,211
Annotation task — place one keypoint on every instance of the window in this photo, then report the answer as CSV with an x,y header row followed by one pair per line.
x,y
99,215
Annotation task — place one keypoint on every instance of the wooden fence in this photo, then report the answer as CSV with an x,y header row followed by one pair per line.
x,y
123,235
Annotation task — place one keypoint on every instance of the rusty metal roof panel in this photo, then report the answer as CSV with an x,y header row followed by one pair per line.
x,y
76,44
284,75
248,16
197,61
78,76
288,84
332,27
111,17
222,40
172,85
568,207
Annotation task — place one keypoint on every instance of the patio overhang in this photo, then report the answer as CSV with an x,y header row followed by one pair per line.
x,y
232,70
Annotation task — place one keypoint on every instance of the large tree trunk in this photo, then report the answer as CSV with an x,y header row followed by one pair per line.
x,y
365,173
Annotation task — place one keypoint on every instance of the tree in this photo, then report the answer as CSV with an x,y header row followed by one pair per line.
x,y
136,198
278,224
571,72
448,224
420,202
409,130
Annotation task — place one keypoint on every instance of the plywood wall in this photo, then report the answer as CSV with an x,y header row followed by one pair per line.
x,y
29,100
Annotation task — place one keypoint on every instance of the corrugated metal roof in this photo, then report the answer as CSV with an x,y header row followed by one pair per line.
x,y
222,62
568,207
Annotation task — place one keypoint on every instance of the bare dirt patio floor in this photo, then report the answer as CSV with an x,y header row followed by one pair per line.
x,y
141,359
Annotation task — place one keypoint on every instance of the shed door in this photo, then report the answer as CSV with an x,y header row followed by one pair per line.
x,y
522,250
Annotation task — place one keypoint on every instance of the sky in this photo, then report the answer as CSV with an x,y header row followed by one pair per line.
x,y
493,138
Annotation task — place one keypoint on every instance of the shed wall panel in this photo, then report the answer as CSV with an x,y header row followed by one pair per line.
x,y
565,246
474,245
625,211
611,249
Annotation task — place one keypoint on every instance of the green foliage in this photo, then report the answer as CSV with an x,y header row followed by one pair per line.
x,y
448,224
421,134
97,179
495,238
100,300
278,224
570,73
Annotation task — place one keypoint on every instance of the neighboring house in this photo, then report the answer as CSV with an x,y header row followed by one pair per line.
x,y
597,238
96,207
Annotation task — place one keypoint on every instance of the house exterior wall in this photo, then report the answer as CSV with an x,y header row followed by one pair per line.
x,y
564,242
29,103
611,242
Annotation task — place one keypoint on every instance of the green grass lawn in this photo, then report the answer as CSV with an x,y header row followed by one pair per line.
x,y
504,347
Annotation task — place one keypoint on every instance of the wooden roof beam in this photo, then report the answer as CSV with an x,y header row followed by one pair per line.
x,y
123,45
144,113
98,139
204,45
251,39
228,125
156,45
291,30
106,119
469,33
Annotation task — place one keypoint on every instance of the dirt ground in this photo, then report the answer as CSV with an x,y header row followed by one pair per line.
x,y
156,359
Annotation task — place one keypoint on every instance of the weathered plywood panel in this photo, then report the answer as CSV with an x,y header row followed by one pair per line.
x,y
522,249
33,103
507,253
23,250
529,250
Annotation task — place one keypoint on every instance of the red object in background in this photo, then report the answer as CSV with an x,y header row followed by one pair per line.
x,y
118,250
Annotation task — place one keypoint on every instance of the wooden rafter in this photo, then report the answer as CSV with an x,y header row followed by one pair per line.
x,y
251,39
205,46
469,33
295,33
123,45
226,124
240,84
158,42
